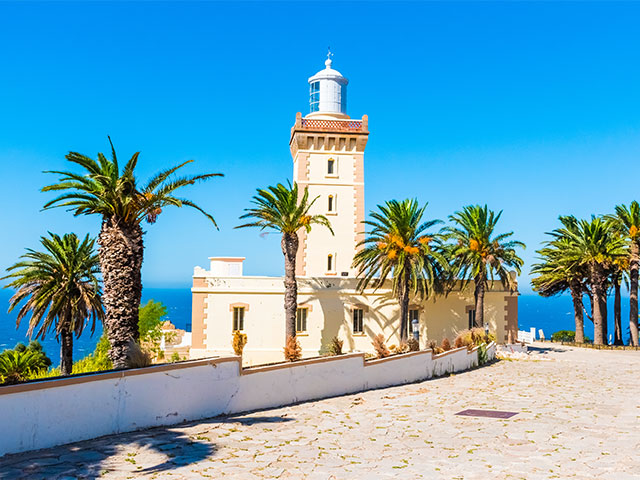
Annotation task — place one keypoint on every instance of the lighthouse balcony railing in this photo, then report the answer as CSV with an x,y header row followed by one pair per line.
x,y
316,124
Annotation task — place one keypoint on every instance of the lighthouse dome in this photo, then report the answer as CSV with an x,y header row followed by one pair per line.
x,y
328,92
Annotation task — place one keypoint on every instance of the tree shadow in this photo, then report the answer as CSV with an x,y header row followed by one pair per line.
x,y
545,350
181,445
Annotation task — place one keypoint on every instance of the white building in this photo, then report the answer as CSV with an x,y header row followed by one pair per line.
x,y
327,147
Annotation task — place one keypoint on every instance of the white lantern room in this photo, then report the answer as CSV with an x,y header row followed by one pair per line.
x,y
328,93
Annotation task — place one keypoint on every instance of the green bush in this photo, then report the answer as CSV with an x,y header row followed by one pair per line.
x,y
23,362
564,336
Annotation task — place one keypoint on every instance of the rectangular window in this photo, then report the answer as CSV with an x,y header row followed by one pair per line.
x,y
301,320
238,318
314,96
331,163
358,325
472,318
330,205
329,263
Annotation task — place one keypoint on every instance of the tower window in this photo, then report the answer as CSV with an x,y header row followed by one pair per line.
x,y
314,96
331,166
238,318
329,263
358,323
301,319
331,204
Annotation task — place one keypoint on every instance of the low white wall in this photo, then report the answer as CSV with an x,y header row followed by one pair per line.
x,y
54,412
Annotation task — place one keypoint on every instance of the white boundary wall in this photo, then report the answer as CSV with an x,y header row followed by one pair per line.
x,y
54,412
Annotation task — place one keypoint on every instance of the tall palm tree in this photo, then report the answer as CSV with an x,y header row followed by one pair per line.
x,y
479,255
114,194
627,220
283,210
596,245
60,288
399,244
558,272
617,274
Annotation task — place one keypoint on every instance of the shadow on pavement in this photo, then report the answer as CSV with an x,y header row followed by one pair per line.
x,y
92,458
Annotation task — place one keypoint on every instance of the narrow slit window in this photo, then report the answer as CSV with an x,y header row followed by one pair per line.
x,y
238,318
301,320
331,166
358,324
329,263
330,203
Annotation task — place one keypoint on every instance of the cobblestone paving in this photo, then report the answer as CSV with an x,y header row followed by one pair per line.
x,y
578,418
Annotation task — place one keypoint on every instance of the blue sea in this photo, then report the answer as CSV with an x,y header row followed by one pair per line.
x,y
548,314
177,301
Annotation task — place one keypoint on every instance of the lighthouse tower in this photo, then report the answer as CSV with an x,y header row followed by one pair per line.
x,y
327,147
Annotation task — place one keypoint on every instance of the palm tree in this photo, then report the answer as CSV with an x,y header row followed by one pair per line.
x,y
61,290
283,210
595,245
617,274
114,194
627,220
479,255
399,244
558,272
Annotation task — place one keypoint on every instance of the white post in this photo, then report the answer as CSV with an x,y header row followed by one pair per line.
x,y
533,333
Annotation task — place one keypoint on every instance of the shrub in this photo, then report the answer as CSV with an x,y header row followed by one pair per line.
x,y
564,336
335,347
239,341
402,348
175,357
474,337
433,345
446,344
137,357
379,346
413,345
150,321
483,357
19,365
97,361
292,349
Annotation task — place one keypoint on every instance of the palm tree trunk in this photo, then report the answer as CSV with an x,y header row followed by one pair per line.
x,y
634,260
66,351
599,303
479,297
403,298
576,296
289,246
121,253
617,312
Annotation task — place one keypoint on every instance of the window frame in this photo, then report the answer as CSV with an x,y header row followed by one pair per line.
x,y
357,320
304,320
238,319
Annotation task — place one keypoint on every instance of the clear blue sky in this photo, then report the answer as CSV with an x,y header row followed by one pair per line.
x,y
530,108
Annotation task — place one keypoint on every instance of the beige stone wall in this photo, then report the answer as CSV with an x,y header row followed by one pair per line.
x,y
330,302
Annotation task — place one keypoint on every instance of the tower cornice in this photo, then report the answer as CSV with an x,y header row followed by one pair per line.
x,y
350,135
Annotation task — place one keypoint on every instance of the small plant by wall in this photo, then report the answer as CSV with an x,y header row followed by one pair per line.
x,y
446,344
335,347
238,342
380,347
292,349
413,345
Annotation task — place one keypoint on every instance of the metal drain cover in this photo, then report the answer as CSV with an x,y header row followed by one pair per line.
x,y
486,413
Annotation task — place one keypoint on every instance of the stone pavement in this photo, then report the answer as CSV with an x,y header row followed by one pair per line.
x,y
578,418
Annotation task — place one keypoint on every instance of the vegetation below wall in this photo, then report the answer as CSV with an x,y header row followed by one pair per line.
x,y
24,363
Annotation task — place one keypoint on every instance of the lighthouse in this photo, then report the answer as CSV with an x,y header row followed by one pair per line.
x,y
327,147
